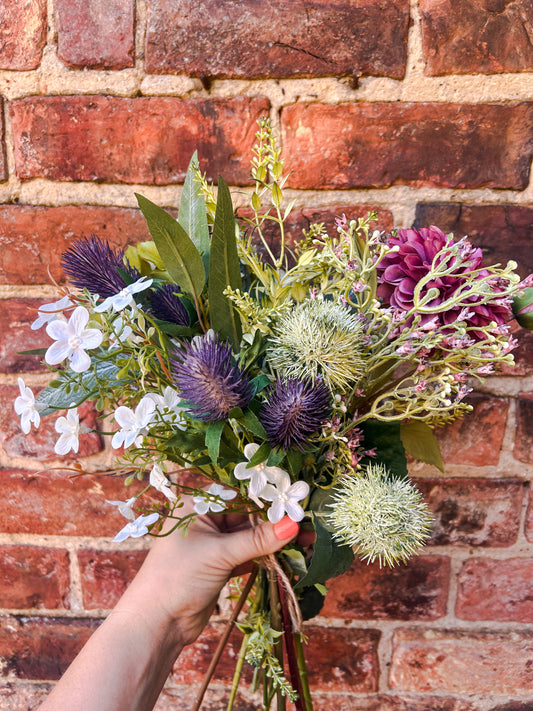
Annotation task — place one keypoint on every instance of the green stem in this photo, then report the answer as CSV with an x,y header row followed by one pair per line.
x,y
238,672
277,625
303,671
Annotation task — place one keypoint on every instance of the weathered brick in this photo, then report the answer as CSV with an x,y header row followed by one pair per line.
x,y
502,231
382,702
95,33
513,706
435,144
462,661
3,164
215,699
23,697
461,443
16,316
105,575
55,503
415,591
33,576
495,590
141,140
40,443
529,517
523,447
22,34
277,39
32,238
461,37
473,512
41,647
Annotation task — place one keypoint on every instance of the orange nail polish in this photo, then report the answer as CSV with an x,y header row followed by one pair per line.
x,y
286,528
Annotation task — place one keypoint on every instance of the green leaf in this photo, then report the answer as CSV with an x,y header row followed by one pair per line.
x,y
275,457
260,382
295,459
250,420
329,558
296,560
260,456
420,442
86,385
181,258
311,601
385,437
33,351
192,213
212,438
174,329
224,269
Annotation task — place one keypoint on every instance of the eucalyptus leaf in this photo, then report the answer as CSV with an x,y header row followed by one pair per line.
x,y
212,438
192,213
260,456
385,437
420,442
181,258
329,558
224,269
251,422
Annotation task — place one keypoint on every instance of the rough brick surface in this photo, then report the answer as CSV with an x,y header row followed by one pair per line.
x,y
95,33
461,443
23,697
416,591
32,238
54,503
3,163
473,512
381,144
529,517
41,648
502,231
142,140
382,702
22,33
462,37
34,577
463,662
16,316
277,39
523,449
105,575
495,590
39,443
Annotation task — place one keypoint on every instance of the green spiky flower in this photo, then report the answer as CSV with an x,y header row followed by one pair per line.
x,y
381,517
319,339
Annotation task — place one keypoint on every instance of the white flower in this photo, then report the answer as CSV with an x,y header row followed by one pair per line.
x,y
125,507
50,312
168,406
160,482
260,474
69,429
285,497
133,423
72,338
137,528
202,504
124,298
25,407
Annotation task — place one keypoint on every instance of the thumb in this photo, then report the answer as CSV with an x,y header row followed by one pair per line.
x,y
264,539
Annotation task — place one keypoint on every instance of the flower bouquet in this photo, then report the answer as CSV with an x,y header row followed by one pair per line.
x,y
295,379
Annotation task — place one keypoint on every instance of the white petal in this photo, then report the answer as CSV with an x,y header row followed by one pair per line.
x,y
294,510
250,450
78,320
125,417
104,306
279,477
241,472
298,491
25,422
59,330
216,507
80,361
64,444
57,352
91,338
228,494
269,493
276,512
201,505
118,440
257,483
62,425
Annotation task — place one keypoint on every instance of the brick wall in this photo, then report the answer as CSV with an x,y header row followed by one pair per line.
x,y
423,110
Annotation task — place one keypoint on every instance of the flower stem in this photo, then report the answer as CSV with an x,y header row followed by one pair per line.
x,y
303,671
277,625
294,667
237,673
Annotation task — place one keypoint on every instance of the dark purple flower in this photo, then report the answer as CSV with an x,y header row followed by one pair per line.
x,y
169,307
209,381
400,272
91,263
294,409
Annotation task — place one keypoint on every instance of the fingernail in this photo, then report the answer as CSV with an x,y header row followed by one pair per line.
x,y
286,528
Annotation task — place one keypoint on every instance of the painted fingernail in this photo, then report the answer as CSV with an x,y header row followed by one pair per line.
x,y
286,528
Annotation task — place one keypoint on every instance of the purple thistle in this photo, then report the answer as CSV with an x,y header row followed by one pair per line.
x,y
294,409
208,380
91,263
169,307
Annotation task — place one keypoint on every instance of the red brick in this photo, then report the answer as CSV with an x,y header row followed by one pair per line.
x,y
462,37
22,34
523,448
105,575
416,591
23,697
476,440
523,353
381,702
55,503
529,517
495,590
35,577
502,231
277,39
215,699
381,144
141,140
41,647
32,238
39,444
3,165
95,33
16,316
351,662
462,661
473,512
